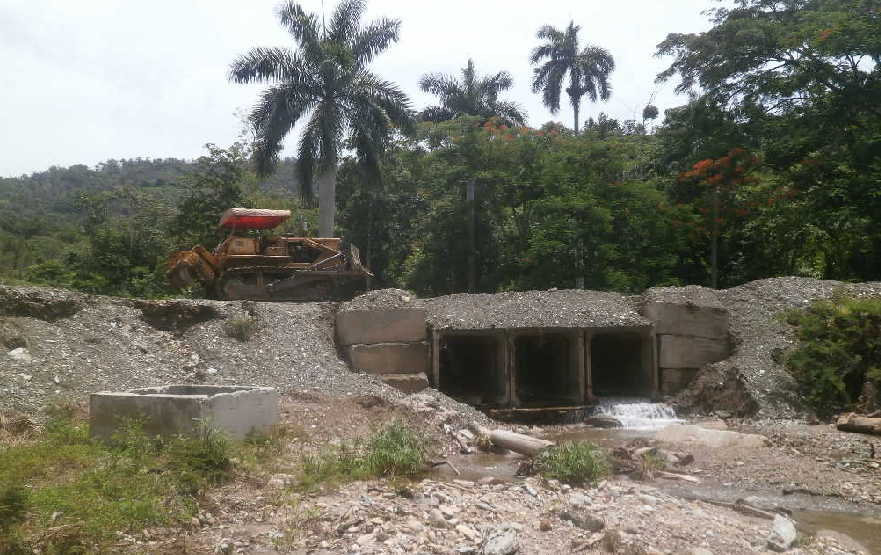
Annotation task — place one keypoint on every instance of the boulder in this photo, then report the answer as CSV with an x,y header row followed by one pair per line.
x,y
783,534
499,540
582,519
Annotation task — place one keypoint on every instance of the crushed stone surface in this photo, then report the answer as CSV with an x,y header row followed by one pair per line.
x,y
570,308
383,299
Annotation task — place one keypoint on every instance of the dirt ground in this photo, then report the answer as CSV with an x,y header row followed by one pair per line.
x,y
800,470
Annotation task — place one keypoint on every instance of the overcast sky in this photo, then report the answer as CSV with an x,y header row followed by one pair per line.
x,y
88,80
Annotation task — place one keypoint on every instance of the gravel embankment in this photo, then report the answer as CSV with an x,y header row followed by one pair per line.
x,y
754,378
58,343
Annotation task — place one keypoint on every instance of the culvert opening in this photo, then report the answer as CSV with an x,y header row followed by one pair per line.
x,y
617,365
547,373
471,369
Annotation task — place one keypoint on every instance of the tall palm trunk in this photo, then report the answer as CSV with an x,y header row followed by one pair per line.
x,y
327,200
575,107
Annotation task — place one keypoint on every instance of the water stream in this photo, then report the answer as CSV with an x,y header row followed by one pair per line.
x,y
637,414
641,418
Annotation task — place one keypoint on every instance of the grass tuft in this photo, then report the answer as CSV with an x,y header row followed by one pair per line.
x,y
80,492
573,462
393,451
242,328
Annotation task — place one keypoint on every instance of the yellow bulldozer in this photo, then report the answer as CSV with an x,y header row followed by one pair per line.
x,y
248,266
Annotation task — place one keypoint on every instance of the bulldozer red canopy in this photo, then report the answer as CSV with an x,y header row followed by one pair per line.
x,y
253,218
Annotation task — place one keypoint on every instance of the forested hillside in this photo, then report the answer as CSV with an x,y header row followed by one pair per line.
x,y
108,228
772,166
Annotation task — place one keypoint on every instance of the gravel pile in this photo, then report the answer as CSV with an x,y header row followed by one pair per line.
x,y
61,344
690,294
382,299
532,309
753,380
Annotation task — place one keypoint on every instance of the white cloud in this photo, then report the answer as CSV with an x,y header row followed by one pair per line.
x,y
90,80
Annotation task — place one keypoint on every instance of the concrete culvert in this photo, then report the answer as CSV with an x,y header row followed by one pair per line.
x,y
547,373
471,368
619,366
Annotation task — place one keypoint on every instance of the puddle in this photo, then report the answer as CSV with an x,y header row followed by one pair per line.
x,y
480,465
864,529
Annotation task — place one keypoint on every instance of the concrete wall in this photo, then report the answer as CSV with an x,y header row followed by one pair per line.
x,y
390,344
692,331
181,409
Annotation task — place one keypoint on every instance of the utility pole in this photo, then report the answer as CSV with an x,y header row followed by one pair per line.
x,y
472,236
714,247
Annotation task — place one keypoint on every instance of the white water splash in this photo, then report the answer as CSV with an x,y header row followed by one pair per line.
x,y
637,414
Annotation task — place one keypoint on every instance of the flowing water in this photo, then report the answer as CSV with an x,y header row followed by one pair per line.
x,y
637,414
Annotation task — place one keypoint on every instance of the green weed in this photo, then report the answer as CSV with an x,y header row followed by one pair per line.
x,y
242,328
394,450
573,462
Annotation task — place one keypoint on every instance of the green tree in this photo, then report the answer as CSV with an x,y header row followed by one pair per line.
x,y
473,95
327,83
218,183
587,68
801,81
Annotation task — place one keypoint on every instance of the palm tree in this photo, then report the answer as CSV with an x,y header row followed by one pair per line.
x,y
588,68
324,82
471,96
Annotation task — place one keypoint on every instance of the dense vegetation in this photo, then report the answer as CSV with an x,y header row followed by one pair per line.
x,y
772,167
838,359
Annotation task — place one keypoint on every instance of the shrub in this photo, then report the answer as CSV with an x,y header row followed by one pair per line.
x,y
839,351
242,328
573,462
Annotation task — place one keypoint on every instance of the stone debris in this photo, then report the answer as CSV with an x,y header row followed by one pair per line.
x,y
371,518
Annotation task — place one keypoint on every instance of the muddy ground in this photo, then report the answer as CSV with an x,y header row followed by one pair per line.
x,y
824,478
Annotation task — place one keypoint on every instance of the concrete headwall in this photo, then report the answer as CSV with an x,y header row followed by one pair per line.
x,y
387,343
692,331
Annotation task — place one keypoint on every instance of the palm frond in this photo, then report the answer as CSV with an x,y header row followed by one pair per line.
x,y
273,117
551,33
302,26
511,113
260,65
375,38
436,114
345,19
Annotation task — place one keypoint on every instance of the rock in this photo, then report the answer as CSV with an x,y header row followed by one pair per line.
x,y
783,534
413,525
20,354
603,422
468,532
579,500
544,525
582,519
499,540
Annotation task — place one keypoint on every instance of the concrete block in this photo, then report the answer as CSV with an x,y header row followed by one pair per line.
x,y
690,352
674,380
179,409
380,326
688,319
390,358
408,383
